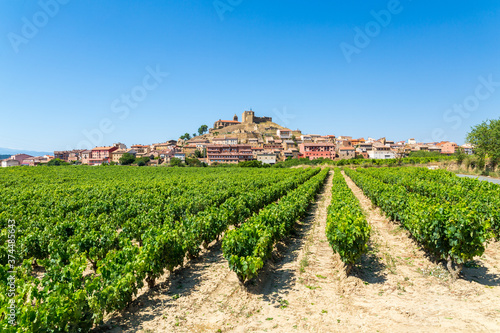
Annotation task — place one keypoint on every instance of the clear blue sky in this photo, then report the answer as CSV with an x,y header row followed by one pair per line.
x,y
285,59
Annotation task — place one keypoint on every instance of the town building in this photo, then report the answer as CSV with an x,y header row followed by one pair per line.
x,y
266,158
381,153
306,138
141,149
346,153
20,157
86,156
8,162
69,155
290,153
229,153
284,133
100,155
225,123
180,155
447,148
189,149
468,148
288,144
225,141
314,151
117,154
33,161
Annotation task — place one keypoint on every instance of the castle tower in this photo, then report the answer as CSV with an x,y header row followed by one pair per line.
x,y
248,117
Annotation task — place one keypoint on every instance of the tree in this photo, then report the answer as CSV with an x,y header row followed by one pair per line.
x,y
142,161
127,159
401,153
186,136
174,161
194,162
198,154
203,129
459,155
57,161
485,137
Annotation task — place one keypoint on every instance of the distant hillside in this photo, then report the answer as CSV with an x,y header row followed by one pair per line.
x,y
10,152
245,131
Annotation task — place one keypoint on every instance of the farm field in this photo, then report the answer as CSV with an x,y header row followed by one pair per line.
x,y
114,249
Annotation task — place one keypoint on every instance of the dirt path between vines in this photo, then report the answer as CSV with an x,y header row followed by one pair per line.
x,y
303,288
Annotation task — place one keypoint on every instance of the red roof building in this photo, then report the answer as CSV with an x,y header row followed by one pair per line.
x,y
229,153
314,151
100,155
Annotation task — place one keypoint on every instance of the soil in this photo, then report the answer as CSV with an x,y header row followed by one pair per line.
x,y
304,288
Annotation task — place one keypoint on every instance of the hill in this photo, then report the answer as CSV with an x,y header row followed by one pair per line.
x,y
10,152
247,131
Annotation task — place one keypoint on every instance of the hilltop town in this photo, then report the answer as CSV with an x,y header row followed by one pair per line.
x,y
233,141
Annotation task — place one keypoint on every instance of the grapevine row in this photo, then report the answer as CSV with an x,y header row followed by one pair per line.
x,y
247,247
483,198
454,233
347,230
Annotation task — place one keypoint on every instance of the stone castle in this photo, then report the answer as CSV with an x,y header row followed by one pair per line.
x,y
248,117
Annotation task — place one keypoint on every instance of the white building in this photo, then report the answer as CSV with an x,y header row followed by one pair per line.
x,y
10,162
225,141
284,133
412,141
305,137
468,148
180,156
266,158
381,153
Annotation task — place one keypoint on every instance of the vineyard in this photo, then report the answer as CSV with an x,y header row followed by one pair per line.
x,y
79,243
452,218
97,235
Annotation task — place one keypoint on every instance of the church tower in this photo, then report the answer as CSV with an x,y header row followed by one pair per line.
x,y
235,118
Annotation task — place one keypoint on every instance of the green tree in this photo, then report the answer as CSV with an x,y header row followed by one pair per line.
x,y
174,161
194,162
57,161
486,139
459,155
127,159
198,153
186,136
203,129
142,161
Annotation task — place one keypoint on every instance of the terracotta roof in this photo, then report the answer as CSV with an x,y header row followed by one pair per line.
x,y
103,148
318,144
230,121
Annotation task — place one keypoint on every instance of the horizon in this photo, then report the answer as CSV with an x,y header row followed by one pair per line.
x,y
80,73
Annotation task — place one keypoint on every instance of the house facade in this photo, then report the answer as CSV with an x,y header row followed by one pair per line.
x,y
381,153
266,158
314,151
229,153
10,162
100,155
